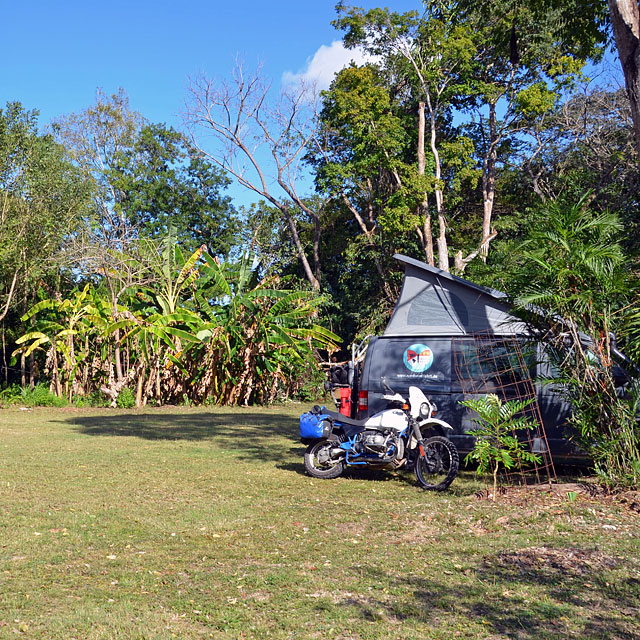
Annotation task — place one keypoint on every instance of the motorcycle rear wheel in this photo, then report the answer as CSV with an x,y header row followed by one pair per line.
x,y
318,462
437,469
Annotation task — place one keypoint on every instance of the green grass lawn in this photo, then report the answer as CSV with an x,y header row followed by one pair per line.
x,y
200,523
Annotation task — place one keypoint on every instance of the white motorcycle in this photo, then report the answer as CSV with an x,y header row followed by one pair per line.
x,y
391,438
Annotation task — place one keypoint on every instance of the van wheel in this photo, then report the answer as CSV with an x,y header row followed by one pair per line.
x,y
320,460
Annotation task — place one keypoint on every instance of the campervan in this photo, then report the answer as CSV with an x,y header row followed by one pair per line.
x,y
454,339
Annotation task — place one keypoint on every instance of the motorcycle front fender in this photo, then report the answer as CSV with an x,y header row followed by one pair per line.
x,y
434,422
438,426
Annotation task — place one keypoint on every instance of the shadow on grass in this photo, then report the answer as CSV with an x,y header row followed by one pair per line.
x,y
249,434
520,600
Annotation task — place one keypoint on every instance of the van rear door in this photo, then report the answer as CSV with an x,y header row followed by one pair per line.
x,y
420,361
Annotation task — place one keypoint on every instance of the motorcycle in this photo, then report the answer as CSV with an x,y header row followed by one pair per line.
x,y
392,438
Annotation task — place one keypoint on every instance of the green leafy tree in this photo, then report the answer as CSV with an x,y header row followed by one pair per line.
x,y
359,162
433,54
95,138
585,144
581,290
521,73
497,444
42,200
494,69
164,183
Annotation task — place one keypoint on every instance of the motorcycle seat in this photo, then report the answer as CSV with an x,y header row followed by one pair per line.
x,y
339,417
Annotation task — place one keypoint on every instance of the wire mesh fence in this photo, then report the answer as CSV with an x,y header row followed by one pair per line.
x,y
504,366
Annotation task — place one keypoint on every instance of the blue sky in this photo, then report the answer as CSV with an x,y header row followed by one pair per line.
x,y
55,54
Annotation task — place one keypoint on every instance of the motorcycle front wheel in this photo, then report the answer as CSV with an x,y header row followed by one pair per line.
x,y
437,469
319,462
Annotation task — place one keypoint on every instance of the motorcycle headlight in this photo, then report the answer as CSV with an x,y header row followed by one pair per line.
x,y
425,410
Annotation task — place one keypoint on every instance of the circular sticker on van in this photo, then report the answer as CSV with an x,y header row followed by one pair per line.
x,y
418,358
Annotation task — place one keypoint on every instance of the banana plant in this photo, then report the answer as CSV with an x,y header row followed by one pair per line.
x,y
66,320
255,334
160,324
172,273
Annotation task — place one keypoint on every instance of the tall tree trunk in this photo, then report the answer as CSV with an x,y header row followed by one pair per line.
x,y
426,234
85,368
23,360
55,382
4,356
489,182
10,295
298,244
443,249
158,370
32,380
317,233
139,389
71,387
488,196
23,370
118,359
116,335
625,19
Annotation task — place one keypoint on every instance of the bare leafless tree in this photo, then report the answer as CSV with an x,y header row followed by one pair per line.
x,y
260,136
592,131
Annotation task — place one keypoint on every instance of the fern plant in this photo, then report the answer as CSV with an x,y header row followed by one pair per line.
x,y
496,429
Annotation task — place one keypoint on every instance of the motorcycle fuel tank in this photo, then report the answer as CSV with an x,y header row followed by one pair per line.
x,y
389,419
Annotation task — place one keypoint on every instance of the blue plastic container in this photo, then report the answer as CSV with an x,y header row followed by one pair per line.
x,y
314,425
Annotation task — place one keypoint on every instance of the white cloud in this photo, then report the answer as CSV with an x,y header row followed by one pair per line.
x,y
325,63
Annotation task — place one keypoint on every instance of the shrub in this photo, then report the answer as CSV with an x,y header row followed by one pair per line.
x,y
11,395
94,399
126,399
307,384
39,396
496,438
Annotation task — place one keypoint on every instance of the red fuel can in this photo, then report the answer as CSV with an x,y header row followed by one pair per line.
x,y
345,401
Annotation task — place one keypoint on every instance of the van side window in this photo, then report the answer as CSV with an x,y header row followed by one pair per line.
x,y
488,365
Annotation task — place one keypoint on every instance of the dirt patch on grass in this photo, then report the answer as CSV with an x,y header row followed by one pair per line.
x,y
630,500
544,494
566,561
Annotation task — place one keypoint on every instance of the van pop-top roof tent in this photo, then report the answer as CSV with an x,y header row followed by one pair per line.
x,y
434,302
